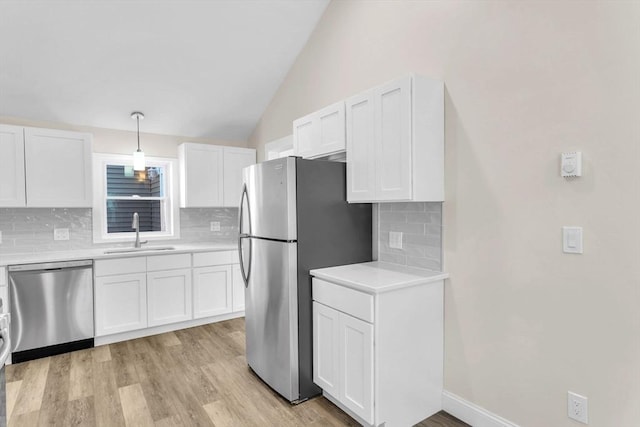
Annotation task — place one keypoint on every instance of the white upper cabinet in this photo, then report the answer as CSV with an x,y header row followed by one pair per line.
x,y
235,159
211,175
12,192
361,167
201,175
321,133
45,168
58,168
395,142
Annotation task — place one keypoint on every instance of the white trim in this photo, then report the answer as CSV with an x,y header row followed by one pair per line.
x,y
139,333
471,413
172,205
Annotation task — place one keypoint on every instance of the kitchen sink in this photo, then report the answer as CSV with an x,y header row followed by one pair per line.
x,y
148,249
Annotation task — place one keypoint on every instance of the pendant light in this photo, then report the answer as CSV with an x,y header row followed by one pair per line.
x,y
138,155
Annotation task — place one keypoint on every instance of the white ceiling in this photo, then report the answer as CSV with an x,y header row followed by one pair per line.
x,y
203,68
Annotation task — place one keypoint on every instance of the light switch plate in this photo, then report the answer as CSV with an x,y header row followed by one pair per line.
x,y
60,234
572,240
395,239
215,225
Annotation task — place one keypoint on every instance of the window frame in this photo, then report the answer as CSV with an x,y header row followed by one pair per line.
x,y
171,211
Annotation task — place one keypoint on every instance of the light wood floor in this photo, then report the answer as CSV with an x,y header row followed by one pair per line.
x,y
192,377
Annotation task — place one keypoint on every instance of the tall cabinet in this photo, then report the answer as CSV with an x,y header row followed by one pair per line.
x,y
395,142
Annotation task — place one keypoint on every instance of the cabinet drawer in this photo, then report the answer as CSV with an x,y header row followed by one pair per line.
x,y
356,303
203,259
168,262
107,267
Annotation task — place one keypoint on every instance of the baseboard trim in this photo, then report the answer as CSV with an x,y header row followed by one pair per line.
x,y
471,413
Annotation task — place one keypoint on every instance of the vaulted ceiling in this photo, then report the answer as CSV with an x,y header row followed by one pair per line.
x,y
203,68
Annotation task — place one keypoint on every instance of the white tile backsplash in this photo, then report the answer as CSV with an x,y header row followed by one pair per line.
x,y
421,225
31,229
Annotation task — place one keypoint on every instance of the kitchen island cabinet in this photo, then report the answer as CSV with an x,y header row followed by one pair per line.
x,y
378,341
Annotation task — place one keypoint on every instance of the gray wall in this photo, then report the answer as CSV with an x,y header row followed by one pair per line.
x,y
31,229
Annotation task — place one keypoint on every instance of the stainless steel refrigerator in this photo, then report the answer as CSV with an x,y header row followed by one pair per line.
x,y
293,217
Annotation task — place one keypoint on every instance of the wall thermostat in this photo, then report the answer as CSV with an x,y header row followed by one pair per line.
x,y
571,164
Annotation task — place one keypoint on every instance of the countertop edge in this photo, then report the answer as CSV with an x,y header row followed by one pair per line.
x,y
432,276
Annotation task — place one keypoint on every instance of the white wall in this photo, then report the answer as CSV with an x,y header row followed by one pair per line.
x,y
525,80
124,142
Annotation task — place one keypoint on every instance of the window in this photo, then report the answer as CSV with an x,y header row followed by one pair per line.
x,y
120,192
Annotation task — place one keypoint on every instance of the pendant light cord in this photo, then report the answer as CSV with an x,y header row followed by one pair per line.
x,y
138,123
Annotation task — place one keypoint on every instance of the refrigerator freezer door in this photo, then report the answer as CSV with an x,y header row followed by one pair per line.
x,y
271,317
270,205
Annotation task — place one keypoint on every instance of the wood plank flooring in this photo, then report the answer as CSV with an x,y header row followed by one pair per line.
x,y
192,377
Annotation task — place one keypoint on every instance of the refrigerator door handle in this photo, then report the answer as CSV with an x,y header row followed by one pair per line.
x,y
241,235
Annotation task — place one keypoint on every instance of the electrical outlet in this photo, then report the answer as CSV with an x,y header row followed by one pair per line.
x,y
577,407
60,234
395,239
215,226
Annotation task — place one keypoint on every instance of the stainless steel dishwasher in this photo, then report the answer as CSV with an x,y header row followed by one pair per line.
x,y
51,308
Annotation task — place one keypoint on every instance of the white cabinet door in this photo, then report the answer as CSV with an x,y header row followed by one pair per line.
x,y
356,367
58,168
235,160
238,288
331,137
121,303
361,153
326,352
211,291
304,130
201,175
393,140
169,296
12,166
320,133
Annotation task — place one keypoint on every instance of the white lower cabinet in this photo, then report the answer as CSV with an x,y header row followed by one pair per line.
x,y
169,296
211,291
140,292
343,359
238,288
121,303
378,355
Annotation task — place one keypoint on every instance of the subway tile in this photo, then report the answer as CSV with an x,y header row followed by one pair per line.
x,y
391,216
403,227
418,217
393,258
433,207
422,240
408,207
427,263
384,206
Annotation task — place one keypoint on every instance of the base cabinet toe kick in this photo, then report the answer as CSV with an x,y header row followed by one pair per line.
x,y
379,356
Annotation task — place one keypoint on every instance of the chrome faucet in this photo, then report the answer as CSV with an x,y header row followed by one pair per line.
x,y
135,224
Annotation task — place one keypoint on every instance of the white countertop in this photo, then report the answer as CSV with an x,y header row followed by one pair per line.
x,y
99,253
377,277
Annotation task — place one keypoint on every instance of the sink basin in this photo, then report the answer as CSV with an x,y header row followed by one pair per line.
x,y
148,249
